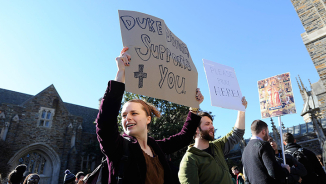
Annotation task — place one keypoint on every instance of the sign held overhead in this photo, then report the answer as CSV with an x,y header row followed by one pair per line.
x,y
223,86
161,65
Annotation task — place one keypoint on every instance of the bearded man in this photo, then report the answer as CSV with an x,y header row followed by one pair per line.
x,y
204,161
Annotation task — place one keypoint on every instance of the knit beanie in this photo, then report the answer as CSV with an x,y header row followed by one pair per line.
x,y
16,175
68,177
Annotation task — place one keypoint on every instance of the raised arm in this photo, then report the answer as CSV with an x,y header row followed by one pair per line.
x,y
240,123
122,61
229,140
106,121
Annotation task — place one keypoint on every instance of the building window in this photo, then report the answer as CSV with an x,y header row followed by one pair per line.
x,y
88,163
34,161
46,116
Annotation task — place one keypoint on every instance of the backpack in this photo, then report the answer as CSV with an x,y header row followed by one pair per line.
x,y
303,159
99,175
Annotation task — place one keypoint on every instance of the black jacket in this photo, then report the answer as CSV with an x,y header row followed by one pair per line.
x,y
260,165
315,172
297,169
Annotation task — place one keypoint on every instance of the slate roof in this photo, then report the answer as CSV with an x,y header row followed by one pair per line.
x,y
88,114
13,97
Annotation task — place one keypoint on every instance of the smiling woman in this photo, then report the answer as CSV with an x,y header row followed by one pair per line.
x,y
137,108
146,162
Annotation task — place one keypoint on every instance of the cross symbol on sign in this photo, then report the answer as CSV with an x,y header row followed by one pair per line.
x,y
141,75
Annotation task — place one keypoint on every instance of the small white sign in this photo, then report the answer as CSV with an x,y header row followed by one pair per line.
x,y
223,86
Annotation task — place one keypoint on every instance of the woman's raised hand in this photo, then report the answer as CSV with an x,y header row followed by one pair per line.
x,y
122,61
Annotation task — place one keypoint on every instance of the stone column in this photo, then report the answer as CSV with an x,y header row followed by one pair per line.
x,y
4,131
318,129
73,139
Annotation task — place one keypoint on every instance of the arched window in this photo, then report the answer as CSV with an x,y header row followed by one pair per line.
x,y
43,114
35,162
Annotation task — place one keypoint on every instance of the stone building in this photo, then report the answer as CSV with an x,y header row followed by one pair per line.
x,y
47,134
312,14
313,18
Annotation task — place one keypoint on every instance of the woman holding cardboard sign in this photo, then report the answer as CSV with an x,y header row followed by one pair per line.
x,y
134,157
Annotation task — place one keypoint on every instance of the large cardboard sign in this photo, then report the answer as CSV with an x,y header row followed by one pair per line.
x,y
223,85
161,65
276,96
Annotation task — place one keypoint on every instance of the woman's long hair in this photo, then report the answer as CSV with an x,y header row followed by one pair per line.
x,y
150,109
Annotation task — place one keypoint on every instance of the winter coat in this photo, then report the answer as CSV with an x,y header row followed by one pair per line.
x,y
297,169
198,166
315,172
260,165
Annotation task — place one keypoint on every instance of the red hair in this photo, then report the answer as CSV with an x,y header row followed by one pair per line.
x,y
150,109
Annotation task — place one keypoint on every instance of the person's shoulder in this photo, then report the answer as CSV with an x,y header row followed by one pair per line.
x,y
308,153
189,153
262,145
216,144
258,143
189,157
305,150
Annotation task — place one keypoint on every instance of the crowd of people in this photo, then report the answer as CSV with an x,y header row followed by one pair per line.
x,y
16,176
134,157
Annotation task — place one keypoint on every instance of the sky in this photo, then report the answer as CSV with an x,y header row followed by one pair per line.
x,y
73,45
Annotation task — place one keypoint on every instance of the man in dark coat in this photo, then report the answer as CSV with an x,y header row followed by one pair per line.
x,y
258,158
315,172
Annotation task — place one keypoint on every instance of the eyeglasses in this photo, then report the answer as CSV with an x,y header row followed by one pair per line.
x,y
270,140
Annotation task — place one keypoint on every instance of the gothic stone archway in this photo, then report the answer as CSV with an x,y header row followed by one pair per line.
x,y
51,168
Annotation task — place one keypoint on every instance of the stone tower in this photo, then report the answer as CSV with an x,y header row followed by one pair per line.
x,y
312,14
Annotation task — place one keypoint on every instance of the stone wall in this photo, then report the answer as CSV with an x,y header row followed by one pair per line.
x,y
317,53
24,130
312,14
